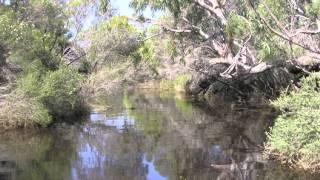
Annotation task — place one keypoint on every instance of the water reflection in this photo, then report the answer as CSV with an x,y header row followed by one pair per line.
x,y
148,136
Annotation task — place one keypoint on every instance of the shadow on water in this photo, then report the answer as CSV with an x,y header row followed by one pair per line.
x,y
154,136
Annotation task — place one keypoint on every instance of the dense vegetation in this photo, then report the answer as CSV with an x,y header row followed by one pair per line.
x,y
50,57
33,37
295,135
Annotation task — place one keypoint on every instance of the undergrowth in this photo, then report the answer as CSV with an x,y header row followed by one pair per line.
x,y
295,137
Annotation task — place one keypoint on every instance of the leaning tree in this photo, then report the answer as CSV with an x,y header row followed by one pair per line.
x,y
244,32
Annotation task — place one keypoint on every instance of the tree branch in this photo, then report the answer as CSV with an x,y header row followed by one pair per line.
x,y
200,31
281,35
213,6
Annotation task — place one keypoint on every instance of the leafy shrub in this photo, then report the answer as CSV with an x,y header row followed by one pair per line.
x,y
112,41
57,90
238,27
46,90
295,136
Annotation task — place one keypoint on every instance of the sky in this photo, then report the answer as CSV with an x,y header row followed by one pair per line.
x,y
123,9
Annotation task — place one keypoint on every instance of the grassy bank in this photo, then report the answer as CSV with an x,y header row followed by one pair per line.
x,y
41,98
178,84
295,137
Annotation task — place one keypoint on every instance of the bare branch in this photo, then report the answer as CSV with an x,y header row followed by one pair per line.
x,y
200,31
214,7
302,31
152,36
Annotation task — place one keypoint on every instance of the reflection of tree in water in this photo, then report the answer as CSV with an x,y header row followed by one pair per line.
x,y
110,153
182,140
35,156
197,142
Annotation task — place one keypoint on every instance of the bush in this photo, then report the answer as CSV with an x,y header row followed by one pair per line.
x,y
295,136
57,90
21,111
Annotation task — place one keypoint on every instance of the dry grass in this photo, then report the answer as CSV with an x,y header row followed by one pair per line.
x,y
19,111
106,79
298,163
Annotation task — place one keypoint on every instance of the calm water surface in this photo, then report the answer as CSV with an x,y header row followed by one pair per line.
x,y
148,136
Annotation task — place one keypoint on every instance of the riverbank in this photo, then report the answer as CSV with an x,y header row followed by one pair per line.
x,y
268,82
150,135
294,138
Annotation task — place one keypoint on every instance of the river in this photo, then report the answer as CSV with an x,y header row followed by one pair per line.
x,y
148,136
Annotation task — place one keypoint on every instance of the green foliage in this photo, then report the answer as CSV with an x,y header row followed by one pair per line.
x,y
57,90
171,48
242,22
278,8
118,24
174,6
112,41
272,48
61,85
181,81
39,39
147,53
296,133
46,89
178,84
238,27
313,9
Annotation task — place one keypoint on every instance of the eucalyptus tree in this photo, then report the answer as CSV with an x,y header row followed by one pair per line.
x,y
243,32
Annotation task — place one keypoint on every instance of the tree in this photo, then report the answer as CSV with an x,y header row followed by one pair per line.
x,y
243,32
33,36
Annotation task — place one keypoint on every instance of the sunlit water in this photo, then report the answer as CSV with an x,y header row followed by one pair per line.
x,y
148,136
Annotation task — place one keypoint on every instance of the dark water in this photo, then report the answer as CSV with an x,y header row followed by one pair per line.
x,y
152,136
